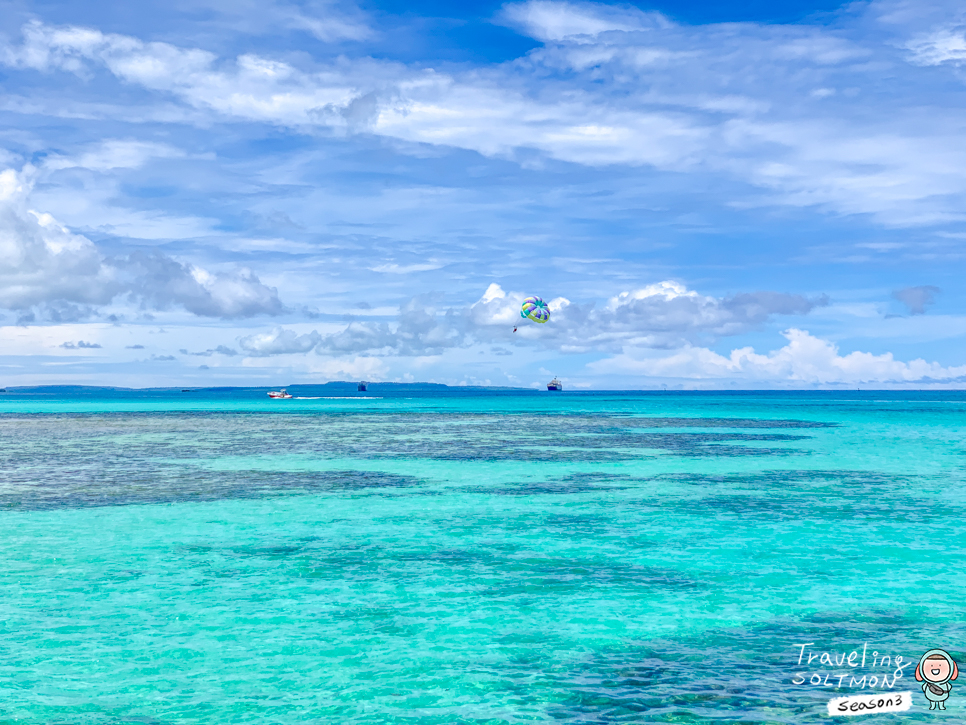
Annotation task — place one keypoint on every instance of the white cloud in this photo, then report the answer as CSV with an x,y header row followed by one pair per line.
x,y
40,260
938,47
613,85
420,329
220,350
553,21
278,342
662,315
251,87
94,213
95,209
665,314
355,368
43,264
326,20
317,368
161,282
330,28
495,120
805,361
392,268
114,154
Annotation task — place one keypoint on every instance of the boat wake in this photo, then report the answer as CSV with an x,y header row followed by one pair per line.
x,y
334,397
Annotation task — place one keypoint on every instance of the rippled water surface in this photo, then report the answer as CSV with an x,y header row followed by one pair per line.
x,y
474,557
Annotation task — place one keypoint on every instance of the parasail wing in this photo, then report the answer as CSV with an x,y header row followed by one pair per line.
x,y
534,308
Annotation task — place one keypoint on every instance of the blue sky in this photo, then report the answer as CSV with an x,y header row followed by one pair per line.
x,y
709,195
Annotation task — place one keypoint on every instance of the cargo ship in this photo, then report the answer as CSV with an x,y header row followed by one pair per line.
x,y
555,384
363,386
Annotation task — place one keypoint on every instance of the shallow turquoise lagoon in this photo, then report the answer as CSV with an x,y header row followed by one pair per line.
x,y
475,557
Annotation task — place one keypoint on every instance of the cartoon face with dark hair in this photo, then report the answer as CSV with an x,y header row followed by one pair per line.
x,y
936,668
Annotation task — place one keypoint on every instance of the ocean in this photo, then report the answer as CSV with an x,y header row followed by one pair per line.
x,y
474,556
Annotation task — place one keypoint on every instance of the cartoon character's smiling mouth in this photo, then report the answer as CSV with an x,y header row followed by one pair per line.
x,y
935,672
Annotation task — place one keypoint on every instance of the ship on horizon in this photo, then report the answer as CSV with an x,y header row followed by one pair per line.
x,y
363,386
555,384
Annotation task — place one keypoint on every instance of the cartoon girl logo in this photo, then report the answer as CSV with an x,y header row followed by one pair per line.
x,y
936,668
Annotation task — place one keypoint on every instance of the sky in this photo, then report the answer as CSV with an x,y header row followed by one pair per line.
x,y
708,195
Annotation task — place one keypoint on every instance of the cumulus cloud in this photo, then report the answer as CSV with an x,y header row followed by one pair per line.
x,y
419,330
161,282
42,261
662,315
665,314
278,342
917,298
805,360
44,265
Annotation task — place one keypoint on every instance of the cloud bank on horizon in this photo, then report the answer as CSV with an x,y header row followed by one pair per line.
x,y
302,192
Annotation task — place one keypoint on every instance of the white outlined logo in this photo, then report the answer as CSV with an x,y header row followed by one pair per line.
x,y
870,704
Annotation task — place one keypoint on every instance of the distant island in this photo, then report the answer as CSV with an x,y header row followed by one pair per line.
x,y
335,386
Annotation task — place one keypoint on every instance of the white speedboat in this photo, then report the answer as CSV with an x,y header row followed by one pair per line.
x,y
278,394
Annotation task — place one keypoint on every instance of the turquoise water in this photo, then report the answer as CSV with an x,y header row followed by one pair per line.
x,y
474,557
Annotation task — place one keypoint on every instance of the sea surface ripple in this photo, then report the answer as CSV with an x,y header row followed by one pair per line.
x,y
473,556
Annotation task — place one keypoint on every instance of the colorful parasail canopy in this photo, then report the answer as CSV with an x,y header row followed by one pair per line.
x,y
534,308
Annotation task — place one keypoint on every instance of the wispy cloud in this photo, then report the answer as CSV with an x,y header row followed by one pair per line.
x,y
114,154
220,350
941,46
250,87
394,268
612,86
81,345
329,24
325,20
549,21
